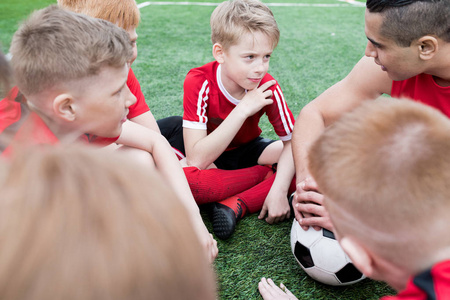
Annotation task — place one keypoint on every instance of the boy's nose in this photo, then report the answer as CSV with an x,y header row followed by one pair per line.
x,y
131,99
260,67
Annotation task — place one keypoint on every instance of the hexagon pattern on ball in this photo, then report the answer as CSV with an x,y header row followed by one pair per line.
x,y
321,257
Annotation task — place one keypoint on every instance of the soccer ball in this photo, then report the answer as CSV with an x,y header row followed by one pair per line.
x,y
321,256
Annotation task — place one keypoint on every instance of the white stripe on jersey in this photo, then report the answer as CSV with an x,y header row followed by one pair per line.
x,y
194,125
283,110
201,102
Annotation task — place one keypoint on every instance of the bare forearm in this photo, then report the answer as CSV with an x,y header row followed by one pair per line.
x,y
206,150
147,120
308,126
285,169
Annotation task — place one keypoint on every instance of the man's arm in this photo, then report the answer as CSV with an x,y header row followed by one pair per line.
x,y
365,82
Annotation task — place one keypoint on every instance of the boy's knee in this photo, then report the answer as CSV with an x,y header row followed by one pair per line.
x,y
271,154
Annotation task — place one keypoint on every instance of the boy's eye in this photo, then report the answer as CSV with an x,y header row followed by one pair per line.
x,y
267,56
118,92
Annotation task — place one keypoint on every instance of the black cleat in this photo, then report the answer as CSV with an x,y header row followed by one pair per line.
x,y
224,220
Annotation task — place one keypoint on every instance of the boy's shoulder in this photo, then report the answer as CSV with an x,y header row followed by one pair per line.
x,y
208,70
433,283
32,131
266,78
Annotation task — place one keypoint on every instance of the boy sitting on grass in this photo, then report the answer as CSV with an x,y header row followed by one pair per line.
x,y
384,170
223,103
85,96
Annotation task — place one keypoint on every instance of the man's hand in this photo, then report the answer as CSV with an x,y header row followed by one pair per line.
x,y
308,206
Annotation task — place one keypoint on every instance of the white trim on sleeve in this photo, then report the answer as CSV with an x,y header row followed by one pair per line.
x,y
194,125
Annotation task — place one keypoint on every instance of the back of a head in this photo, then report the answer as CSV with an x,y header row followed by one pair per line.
x,y
79,223
124,13
55,46
401,17
232,18
386,164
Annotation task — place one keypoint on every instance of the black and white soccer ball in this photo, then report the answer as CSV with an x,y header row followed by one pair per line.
x,y
321,256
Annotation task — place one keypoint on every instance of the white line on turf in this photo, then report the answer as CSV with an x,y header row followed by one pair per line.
x,y
351,2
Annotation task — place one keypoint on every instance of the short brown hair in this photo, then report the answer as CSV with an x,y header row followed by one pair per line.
x,y
55,46
405,21
80,223
387,165
124,13
232,18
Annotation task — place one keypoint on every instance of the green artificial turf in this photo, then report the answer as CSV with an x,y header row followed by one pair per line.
x,y
318,47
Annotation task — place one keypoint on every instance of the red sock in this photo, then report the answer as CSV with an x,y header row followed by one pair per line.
x,y
214,185
254,198
234,203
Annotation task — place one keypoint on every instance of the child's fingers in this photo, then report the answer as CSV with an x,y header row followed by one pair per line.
x,y
267,85
263,212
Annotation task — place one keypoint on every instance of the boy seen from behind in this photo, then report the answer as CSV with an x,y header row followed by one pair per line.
x,y
384,170
223,103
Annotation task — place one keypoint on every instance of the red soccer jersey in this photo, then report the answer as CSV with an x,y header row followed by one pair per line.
x,y
431,284
33,131
140,106
206,104
19,125
423,88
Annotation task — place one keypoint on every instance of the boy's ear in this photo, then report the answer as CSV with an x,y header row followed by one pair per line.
x,y
218,53
428,47
63,107
360,256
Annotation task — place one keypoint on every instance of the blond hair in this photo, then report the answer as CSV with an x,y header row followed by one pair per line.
x,y
79,223
55,46
124,13
386,166
232,18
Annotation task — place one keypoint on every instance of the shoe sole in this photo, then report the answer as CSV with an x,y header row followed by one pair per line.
x,y
223,221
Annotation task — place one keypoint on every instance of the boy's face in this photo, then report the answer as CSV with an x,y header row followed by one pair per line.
x,y
102,102
246,63
133,38
399,62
